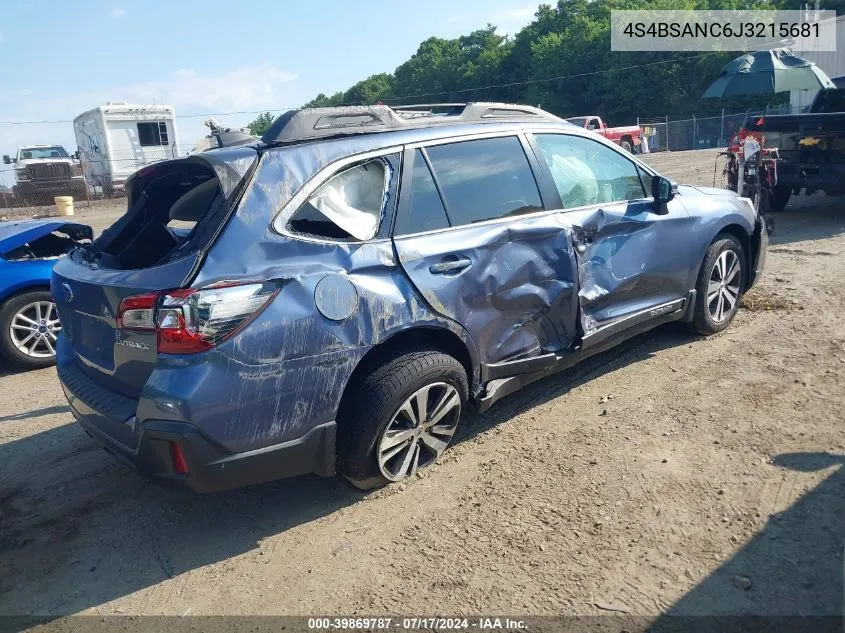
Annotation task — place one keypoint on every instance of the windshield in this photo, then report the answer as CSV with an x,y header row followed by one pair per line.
x,y
580,121
832,100
57,151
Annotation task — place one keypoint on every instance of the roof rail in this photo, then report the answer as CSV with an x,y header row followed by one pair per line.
x,y
314,123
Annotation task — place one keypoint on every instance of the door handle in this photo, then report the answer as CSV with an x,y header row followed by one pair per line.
x,y
453,264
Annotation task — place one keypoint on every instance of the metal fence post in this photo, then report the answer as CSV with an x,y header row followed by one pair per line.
x,y
694,132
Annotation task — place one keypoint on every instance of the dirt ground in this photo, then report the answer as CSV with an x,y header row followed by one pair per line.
x,y
675,474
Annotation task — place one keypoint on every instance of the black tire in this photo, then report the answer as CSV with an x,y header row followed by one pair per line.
x,y
764,206
780,197
704,321
377,399
7,348
626,145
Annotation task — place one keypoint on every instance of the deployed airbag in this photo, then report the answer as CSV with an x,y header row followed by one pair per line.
x,y
353,199
575,181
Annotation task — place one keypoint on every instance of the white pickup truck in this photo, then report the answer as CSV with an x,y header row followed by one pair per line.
x,y
44,171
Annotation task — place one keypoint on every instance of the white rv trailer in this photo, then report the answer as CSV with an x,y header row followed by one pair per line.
x,y
117,139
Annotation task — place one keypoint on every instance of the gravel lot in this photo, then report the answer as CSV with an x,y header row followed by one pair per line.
x,y
675,474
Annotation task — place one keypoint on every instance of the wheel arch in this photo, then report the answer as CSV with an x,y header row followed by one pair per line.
x,y
11,292
741,234
736,230
416,338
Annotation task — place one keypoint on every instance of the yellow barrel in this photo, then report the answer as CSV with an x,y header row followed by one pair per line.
x,y
64,205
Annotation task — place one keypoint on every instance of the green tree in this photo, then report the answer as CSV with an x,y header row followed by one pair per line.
x,y
261,123
562,61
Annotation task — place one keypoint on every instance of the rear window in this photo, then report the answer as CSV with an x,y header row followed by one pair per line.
x,y
830,101
485,179
152,134
426,211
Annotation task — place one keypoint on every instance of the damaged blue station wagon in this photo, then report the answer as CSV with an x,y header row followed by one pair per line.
x,y
332,298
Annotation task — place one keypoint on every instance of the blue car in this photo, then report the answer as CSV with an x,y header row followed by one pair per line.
x,y
29,323
333,298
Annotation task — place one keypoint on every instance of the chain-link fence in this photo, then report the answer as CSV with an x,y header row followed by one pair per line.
x,y
698,132
35,175
655,134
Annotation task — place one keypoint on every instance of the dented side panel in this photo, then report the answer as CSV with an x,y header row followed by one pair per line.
x,y
517,295
286,371
629,259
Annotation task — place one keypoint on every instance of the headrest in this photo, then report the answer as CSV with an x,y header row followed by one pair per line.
x,y
193,205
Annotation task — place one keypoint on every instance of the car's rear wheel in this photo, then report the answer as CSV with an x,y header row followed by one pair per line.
x,y
626,145
29,326
719,286
401,418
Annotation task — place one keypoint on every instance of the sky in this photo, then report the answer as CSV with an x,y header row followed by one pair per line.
x,y
207,56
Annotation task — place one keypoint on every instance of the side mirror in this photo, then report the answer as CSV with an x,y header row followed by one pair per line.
x,y
662,190
6,159
75,155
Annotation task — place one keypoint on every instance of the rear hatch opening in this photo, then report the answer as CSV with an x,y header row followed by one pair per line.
x,y
174,211
108,292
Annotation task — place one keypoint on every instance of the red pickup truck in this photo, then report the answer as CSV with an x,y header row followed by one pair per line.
x,y
627,137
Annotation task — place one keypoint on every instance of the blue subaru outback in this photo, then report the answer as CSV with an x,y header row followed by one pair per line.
x,y
332,298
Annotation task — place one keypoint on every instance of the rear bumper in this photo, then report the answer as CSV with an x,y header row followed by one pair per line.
x,y
811,176
211,468
147,446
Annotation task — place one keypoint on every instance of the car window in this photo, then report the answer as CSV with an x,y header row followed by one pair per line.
x,y
484,179
645,179
594,124
587,172
349,205
830,100
426,211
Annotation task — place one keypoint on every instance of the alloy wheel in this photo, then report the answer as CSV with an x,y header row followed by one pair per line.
x,y
723,287
34,329
419,431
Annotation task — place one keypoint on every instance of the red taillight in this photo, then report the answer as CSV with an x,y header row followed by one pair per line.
x,y
175,336
137,312
180,466
191,320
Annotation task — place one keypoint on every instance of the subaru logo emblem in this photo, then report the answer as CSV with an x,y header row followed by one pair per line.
x,y
68,292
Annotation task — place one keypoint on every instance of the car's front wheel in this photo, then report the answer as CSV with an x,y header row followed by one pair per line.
x,y
719,286
401,418
29,326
